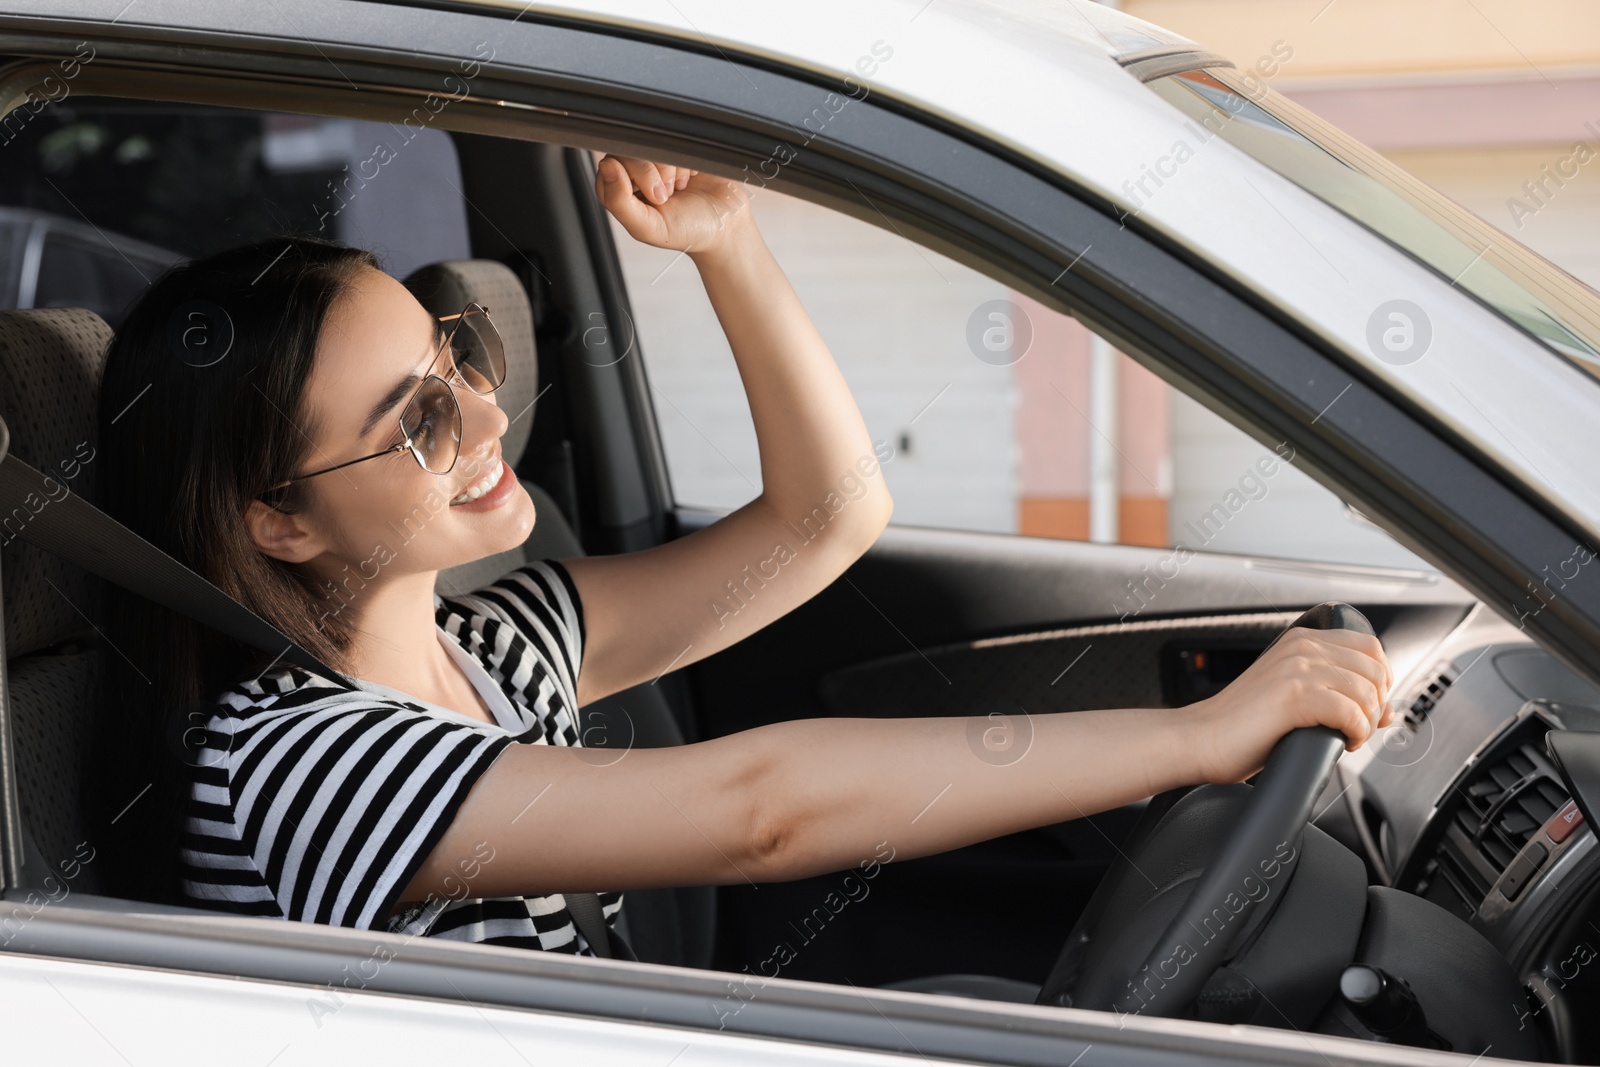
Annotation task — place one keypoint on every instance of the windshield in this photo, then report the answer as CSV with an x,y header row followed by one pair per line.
x,y
1529,291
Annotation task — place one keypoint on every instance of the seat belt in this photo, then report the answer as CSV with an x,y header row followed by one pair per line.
x,y
70,527
75,530
587,916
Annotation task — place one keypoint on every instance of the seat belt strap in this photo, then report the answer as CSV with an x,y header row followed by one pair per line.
x,y
70,527
588,917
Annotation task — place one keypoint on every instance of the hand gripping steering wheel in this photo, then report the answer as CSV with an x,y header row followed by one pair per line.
x,y
1166,979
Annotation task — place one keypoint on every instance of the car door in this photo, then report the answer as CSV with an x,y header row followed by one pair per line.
x,y
239,41
989,582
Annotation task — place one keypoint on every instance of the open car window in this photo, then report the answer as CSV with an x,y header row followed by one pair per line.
x,y
982,404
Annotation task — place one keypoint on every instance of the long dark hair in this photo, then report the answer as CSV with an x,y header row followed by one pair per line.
x,y
201,411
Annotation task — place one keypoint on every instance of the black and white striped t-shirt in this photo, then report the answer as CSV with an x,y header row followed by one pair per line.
x,y
318,802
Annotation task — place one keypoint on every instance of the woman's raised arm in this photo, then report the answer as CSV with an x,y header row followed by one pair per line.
x,y
823,499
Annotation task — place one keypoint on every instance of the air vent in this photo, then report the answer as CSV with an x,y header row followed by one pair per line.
x,y
1506,806
1429,698
1503,801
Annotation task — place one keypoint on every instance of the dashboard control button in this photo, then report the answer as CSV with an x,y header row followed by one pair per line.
x,y
1522,870
1563,822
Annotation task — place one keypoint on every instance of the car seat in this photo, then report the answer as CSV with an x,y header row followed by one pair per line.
x,y
50,362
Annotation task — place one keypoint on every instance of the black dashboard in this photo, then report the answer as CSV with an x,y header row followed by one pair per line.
x,y
1462,803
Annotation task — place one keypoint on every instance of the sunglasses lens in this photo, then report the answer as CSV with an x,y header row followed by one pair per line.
x,y
433,422
478,351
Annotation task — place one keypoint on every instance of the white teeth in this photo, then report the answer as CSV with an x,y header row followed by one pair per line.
x,y
489,481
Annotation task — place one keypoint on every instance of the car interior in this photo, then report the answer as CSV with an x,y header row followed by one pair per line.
x,y
929,622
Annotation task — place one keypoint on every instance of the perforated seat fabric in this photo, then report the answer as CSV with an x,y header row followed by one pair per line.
x,y
50,694
674,926
50,364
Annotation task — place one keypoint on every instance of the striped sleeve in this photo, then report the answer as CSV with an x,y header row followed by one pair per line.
x,y
339,801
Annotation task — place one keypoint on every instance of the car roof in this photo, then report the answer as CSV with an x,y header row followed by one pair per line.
x,y
1022,56
810,29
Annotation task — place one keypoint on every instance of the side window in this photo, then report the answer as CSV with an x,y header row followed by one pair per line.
x,y
98,196
1002,415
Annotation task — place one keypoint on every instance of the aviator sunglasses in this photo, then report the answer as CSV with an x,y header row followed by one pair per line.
x,y
431,420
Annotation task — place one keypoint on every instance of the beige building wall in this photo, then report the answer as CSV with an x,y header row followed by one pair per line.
x,y
1371,38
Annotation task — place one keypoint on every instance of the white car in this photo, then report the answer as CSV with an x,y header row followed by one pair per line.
x,y
1434,900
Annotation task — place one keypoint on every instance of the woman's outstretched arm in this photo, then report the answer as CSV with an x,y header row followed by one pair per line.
x,y
810,796
822,498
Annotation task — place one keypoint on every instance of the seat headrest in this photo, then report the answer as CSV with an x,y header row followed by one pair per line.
x,y
50,365
445,288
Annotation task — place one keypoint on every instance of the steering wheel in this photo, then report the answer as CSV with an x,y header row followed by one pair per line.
x,y
1109,962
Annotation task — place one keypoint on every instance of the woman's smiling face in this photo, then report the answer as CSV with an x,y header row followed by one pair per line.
x,y
388,516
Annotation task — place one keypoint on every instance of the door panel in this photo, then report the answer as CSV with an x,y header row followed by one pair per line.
x,y
920,589
1151,663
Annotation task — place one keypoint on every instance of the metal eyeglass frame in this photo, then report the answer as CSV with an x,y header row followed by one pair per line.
x,y
455,372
